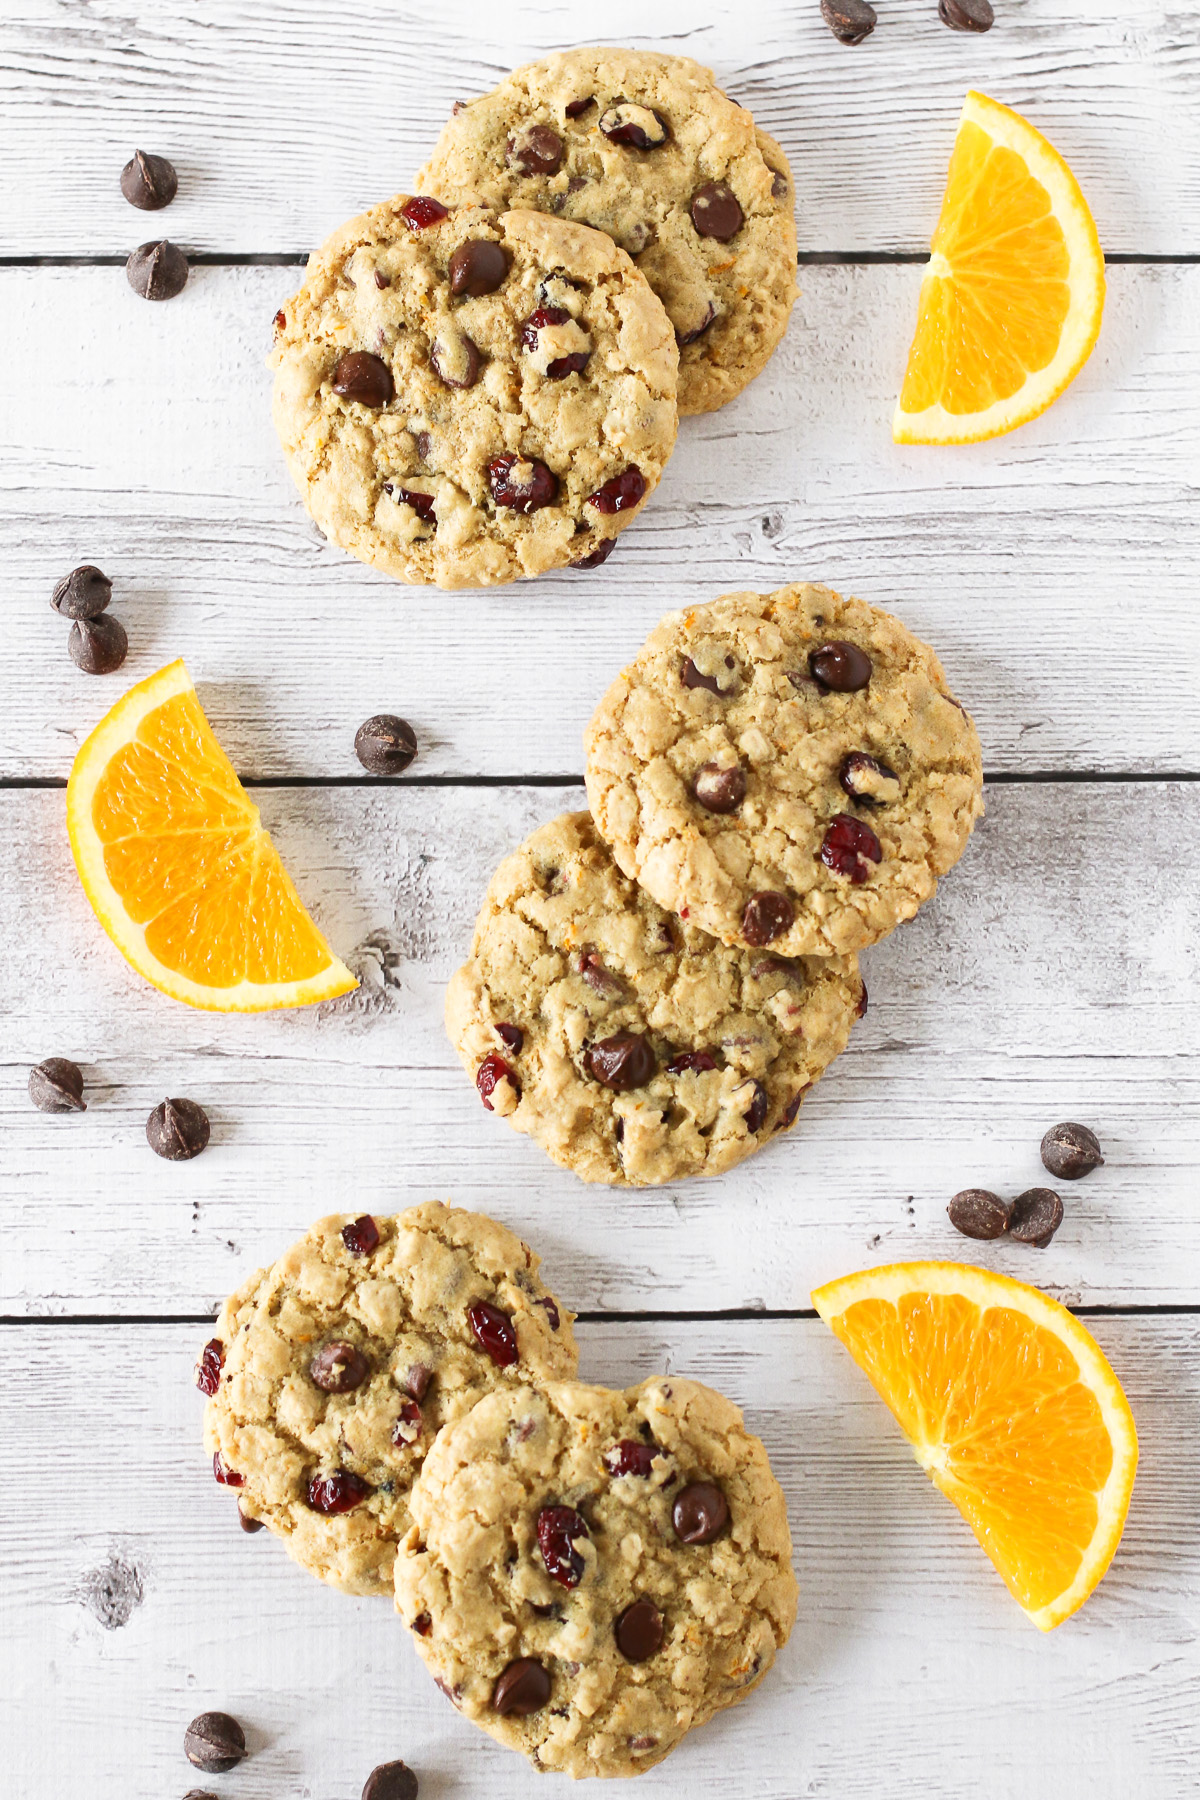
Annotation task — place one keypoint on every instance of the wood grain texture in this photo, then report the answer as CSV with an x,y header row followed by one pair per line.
x,y
1053,570
131,1600
1053,977
284,118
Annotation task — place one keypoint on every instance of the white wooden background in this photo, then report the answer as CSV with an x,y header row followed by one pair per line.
x,y
1053,977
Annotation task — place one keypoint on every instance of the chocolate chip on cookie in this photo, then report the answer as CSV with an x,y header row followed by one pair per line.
x,y
478,267
865,778
639,1631
358,375
716,211
719,790
535,150
841,668
767,916
522,1690
700,1513
622,1062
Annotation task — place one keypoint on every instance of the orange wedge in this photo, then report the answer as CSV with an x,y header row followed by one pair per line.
x,y
177,866
1012,295
1011,1410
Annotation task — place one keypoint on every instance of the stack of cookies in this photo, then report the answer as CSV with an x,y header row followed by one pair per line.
x,y
776,782
481,380
587,1573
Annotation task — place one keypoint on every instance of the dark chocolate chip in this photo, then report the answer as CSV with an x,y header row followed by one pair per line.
x,y
535,150
767,916
83,594
360,376
523,1688
849,20
600,554
456,362
385,744
214,1742
756,1112
700,1513
639,1631
637,127
1037,1215
698,331
248,1524
478,267
692,677
391,1781
511,1036
779,183
149,182
56,1086
1071,1151
98,646
338,1368
864,777
840,667
381,280
621,1062
574,108
966,15
979,1214
177,1130
716,211
417,1381
157,271
590,964
719,790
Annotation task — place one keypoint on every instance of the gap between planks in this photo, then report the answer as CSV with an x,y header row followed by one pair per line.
x,y
738,1315
992,778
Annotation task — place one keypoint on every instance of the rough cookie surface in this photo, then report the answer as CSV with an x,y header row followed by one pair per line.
x,y
648,149
392,1322
474,1582
577,975
479,427
859,773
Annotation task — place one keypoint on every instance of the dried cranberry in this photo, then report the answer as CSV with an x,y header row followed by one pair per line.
x,y
337,1493
716,212
491,1071
408,1427
511,1036
421,211
860,1011
602,981
535,151
224,1474
494,1332
478,267
849,848
629,1457
767,916
538,320
621,1062
692,677
619,494
361,1236
788,1115
719,790
699,1060
600,554
523,1688
840,667
280,319
551,1307
540,490
558,1530
363,377
208,1369
422,504
756,1112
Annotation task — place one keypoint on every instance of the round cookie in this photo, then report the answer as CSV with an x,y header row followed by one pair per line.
x,y
632,1047
786,770
331,1373
590,1574
648,149
465,399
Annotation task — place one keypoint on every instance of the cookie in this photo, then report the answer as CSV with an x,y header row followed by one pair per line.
x,y
785,770
632,1047
648,149
590,1574
331,1373
465,399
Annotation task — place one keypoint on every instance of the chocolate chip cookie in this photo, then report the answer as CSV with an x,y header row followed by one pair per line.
x,y
465,398
590,1574
648,149
632,1047
330,1374
788,771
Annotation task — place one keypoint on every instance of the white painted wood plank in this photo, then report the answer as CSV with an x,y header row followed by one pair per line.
x,y
1053,977
285,117
1053,570
911,1672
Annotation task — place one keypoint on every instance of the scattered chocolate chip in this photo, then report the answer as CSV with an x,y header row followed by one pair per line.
x,y
602,981
849,20
385,744
700,1513
478,267
98,646
157,271
574,108
524,493
338,1368
421,211
452,1694
866,779
83,594
535,150
966,15
1036,1216
226,1476
214,1742
360,376
719,790
756,1112
697,1061
839,667
248,1523
697,331
177,1130
779,183
621,1062
417,1381
511,1036
336,1493
494,1332
620,494
551,1310
716,212
523,1688
488,1076
692,677
208,1368
767,916
639,1631
559,1529
600,554
979,1214
1071,1151
850,847
391,1781
381,280
637,127
361,1236
56,1086
149,182
456,360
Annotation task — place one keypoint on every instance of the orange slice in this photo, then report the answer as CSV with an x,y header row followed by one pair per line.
x,y
1011,1410
1012,295
177,866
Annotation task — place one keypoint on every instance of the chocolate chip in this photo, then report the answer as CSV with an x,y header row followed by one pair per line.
x,y
338,1368
1037,1215
177,1130
756,1112
98,646
56,1086
638,127
360,376
574,108
779,183
1071,1151
716,212
149,182
621,1062
719,790
692,677
535,150
83,594
381,280
840,667
979,1214
966,15
157,271
767,916
214,1742
249,1524
860,1011
523,1688
689,337
391,1781
639,1631
550,1307
455,359
417,1381
868,780
200,1794
600,554
478,267
602,981
385,744
700,1513
849,20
